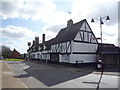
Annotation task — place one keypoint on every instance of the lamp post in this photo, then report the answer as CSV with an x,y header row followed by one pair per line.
x,y
29,44
101,23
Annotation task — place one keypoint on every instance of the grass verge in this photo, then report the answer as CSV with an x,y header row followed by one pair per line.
x,y
12,59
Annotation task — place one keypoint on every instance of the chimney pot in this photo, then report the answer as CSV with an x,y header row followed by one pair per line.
x,y
36,43
33,42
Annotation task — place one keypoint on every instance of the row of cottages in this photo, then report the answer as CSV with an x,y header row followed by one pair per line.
x,y
75,43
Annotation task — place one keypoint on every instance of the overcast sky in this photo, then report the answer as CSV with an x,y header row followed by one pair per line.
x,y
22,20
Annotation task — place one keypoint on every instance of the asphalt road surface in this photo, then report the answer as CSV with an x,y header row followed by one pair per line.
x,y
27,74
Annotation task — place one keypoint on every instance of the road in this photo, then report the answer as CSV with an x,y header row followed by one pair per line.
x,y
28,74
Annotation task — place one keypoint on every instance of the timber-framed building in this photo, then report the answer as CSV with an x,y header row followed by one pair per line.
x,y
75,43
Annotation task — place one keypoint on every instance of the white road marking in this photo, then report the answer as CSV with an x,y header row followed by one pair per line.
x,y
8,65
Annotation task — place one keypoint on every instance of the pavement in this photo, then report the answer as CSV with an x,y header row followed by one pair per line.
x,y
0,75
8,79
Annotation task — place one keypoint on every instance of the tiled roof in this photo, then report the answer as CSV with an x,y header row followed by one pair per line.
x,y
66,34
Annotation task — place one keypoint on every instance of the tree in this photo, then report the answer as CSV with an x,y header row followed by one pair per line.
x,y
5,51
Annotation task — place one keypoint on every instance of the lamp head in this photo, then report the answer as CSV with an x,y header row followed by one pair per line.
x,y
101,22
92,20
107,18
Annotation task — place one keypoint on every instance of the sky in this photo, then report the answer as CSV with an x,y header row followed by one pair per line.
x,y
22,20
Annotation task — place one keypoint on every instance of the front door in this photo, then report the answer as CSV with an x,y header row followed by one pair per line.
x,y
54,58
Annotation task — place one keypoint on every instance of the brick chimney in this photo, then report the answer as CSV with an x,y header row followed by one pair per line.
x,y
43,38
69,23
36,43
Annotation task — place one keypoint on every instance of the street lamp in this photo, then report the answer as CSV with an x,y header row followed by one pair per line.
x,y
29,44
101,23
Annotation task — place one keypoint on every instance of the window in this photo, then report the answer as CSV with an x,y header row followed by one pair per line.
x,y
38,55
33,55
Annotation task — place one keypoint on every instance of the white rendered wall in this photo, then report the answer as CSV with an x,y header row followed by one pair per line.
x,y
60,58
83,58
65,58
80,47
45,55
41,55
84,47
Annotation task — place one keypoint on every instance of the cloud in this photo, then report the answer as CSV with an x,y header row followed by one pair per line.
x,y
53,28
65,1
95,9
110,30
15,32
47,12
10,9
26,9
42,10
9,42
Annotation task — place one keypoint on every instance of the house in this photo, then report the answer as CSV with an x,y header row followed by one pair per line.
x,y
75,43
15,54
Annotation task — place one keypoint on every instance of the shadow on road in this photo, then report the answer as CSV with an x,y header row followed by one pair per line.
x,y
49,75
91,82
